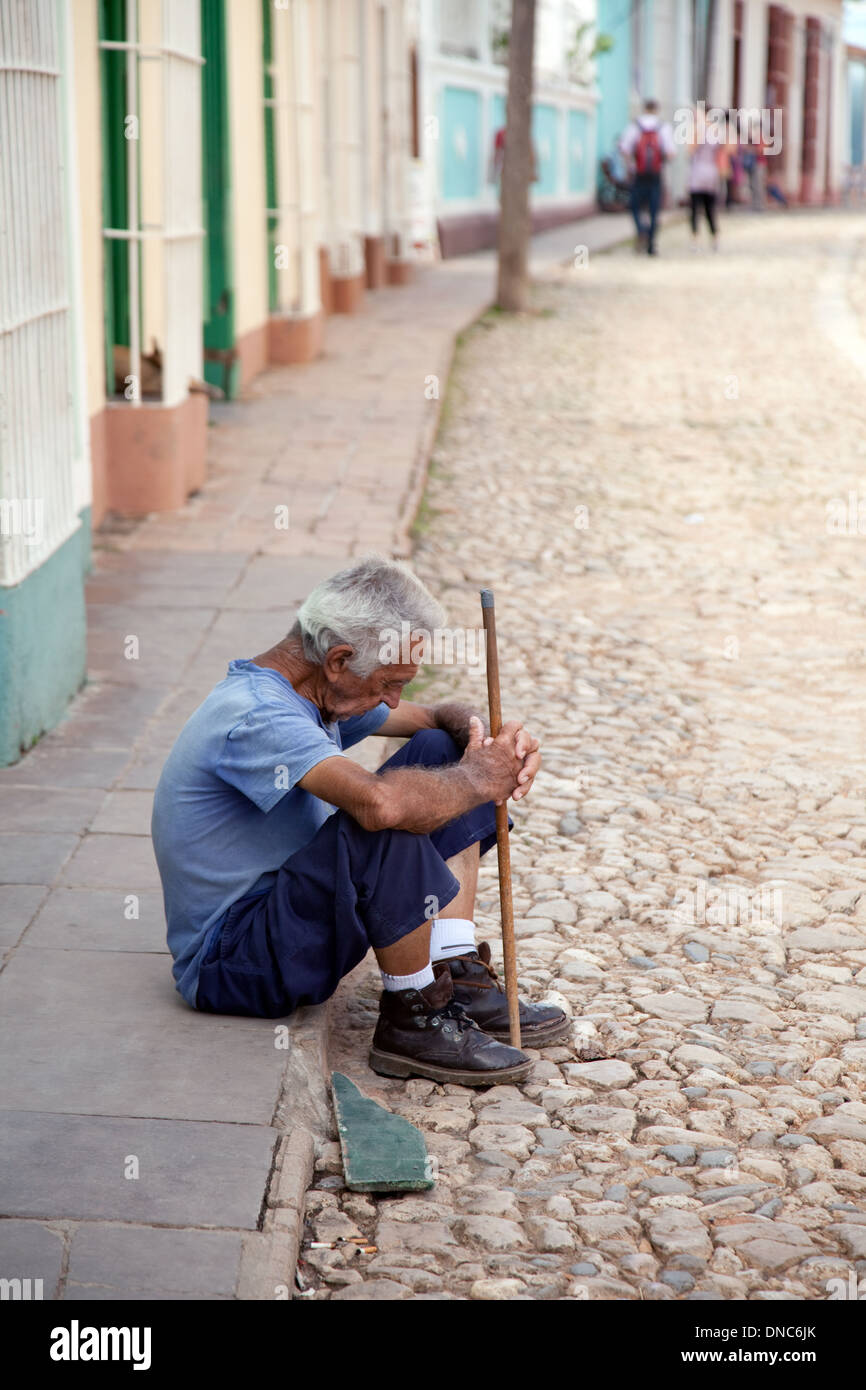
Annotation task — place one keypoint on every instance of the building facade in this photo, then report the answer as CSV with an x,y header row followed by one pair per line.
x,y
45,487
462,48
855,37
856,122
187,189
791,59
740,55
596,61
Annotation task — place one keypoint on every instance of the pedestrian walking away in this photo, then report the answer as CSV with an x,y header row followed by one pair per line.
x,y
283,861
647,144
705,179
756,164
730,172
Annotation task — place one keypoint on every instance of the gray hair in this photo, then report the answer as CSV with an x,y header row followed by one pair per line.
x,y
364,605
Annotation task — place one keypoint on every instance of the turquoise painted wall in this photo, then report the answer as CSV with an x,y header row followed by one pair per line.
x,y
550,126
857,88
545,138
579,154
614,69
43,632
460,142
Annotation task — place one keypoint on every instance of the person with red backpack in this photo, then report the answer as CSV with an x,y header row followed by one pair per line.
x,y
647,144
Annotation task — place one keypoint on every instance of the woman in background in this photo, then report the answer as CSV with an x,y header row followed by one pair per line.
x,y
705,178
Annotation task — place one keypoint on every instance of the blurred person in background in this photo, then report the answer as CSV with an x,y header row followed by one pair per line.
x,y
756,164
730,169
647,145
707,160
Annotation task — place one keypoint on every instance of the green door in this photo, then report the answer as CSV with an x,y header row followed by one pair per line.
x,y
221,366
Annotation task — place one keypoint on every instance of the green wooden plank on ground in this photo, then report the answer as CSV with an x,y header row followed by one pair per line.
x,y
381,1152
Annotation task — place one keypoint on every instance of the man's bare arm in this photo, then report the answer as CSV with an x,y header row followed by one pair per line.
x,y
451,715
421,799
406,720
454,717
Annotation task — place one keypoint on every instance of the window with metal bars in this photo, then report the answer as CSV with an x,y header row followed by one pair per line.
x,y
154,123
115,196
272,214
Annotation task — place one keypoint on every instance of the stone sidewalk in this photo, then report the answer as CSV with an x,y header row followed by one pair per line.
x,y
148,1152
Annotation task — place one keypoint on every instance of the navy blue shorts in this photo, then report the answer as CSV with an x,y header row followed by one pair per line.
x,y
345,891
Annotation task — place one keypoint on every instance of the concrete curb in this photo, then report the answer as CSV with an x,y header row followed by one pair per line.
x,y
411,499
269,1257
303,1116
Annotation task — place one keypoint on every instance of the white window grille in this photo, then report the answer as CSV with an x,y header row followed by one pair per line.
x,y
37,416
394,51
304,126
176,234
285,212
293,103
326,120
344,58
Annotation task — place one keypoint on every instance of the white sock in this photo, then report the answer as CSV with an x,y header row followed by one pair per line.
x,y
421,978
451,936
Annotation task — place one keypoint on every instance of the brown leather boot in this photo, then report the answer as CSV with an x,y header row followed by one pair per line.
x,y
423,1032
477,988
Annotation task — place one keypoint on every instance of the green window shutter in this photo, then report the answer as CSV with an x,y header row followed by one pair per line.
x,y
112,25
219,332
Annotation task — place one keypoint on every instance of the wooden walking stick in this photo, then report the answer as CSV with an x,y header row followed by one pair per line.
x,y
506,905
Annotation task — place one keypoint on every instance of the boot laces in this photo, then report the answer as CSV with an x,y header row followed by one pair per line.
x,y
456,1012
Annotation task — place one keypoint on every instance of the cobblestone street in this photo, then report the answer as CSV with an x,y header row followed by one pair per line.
x,y
659,471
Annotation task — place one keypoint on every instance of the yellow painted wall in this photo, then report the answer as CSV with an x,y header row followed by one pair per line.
x,y
246,125
85,36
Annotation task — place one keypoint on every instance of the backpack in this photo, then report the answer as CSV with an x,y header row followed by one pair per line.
x,y
648,153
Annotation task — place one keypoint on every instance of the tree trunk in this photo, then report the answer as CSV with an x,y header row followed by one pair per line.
x,y
514,220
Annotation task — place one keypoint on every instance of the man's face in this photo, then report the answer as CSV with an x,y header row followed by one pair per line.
x,y
347,694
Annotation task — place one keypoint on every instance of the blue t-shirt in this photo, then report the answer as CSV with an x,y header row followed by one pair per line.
x,y
228,812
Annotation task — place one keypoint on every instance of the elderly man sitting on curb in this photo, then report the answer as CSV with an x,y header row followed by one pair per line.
x,y
283,861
